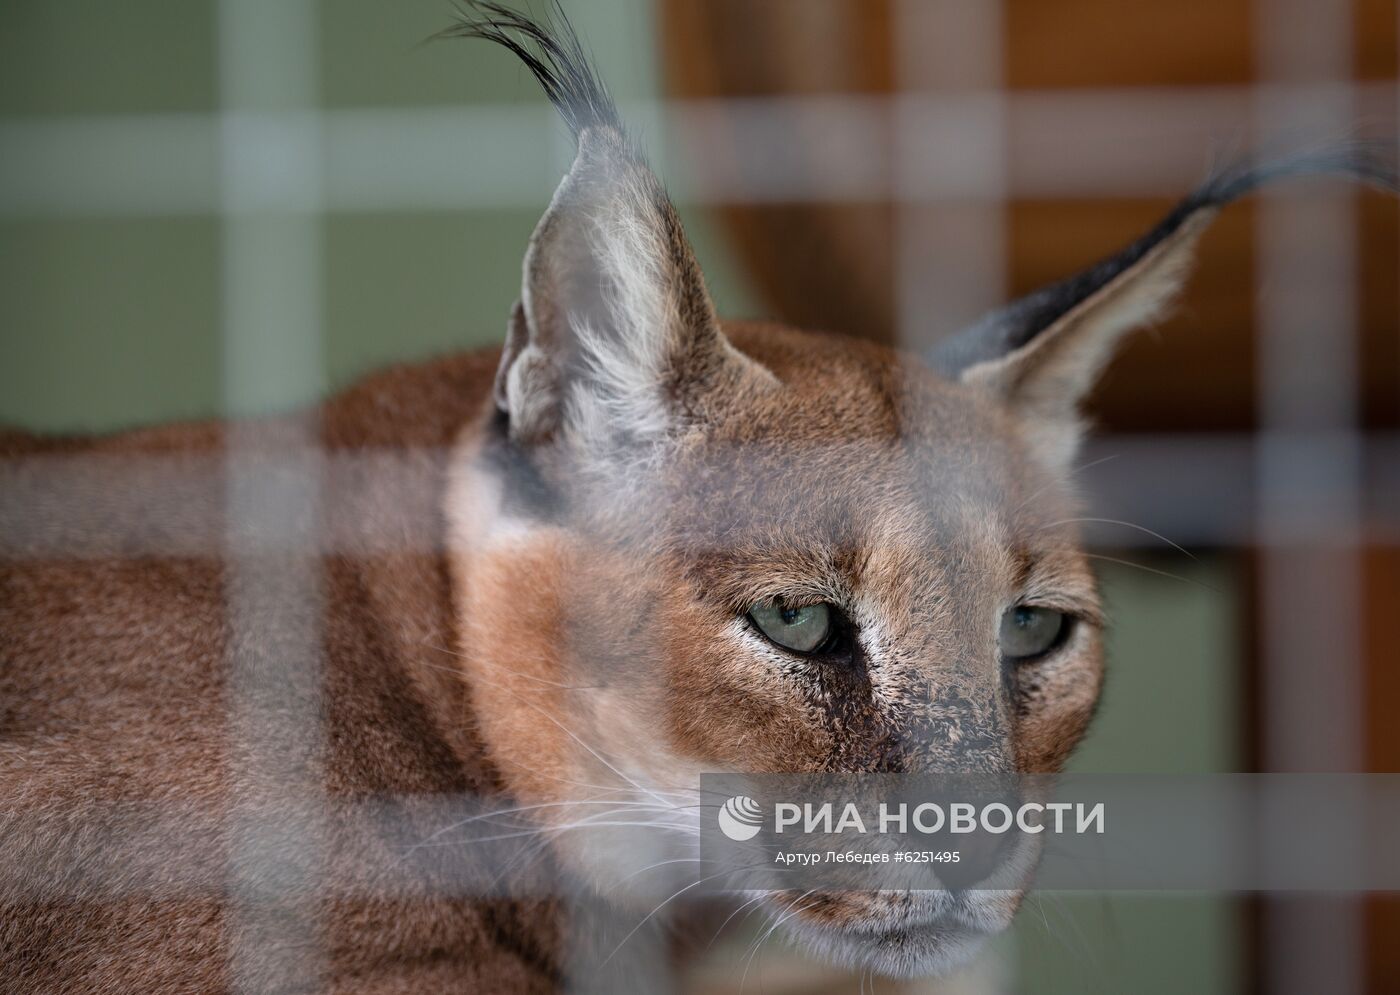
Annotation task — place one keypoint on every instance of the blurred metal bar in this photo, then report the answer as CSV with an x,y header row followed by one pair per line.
x,y
1141,142
607,947
1309,470
950,126
1198,490
270,182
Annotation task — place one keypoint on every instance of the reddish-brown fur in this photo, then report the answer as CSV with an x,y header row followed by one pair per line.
x,y
113,669
112,689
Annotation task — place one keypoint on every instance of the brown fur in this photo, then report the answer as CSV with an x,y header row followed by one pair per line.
x,y
113,668
112,690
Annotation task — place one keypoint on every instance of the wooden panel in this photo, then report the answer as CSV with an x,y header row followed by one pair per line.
x,y
1376,32
777,47
1382,647
1110,43
1379,314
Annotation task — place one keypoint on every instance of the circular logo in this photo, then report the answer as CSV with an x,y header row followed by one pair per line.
x,y
740,818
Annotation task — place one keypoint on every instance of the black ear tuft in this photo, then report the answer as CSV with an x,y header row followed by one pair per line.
x,y
551,50
614,342
1016,325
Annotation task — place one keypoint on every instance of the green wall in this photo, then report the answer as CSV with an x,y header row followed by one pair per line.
x,y
113,318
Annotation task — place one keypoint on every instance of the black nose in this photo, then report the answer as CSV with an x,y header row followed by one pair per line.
x,y
980,854
969,851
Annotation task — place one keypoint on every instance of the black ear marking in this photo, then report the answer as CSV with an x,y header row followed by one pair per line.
x,y
526,489
1004,331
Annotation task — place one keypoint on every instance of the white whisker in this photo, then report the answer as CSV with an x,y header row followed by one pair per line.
x,y
1127,525
1153,570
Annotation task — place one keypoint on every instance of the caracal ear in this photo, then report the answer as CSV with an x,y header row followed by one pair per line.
x,y
1041,354
615,340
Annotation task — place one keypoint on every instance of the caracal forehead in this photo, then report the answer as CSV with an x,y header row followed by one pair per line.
x,y
852,443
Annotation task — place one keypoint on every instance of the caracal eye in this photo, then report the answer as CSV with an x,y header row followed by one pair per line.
x,y
1028,632
802,630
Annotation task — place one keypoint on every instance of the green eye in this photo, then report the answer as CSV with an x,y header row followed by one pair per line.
x,y
1028,632
802,630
